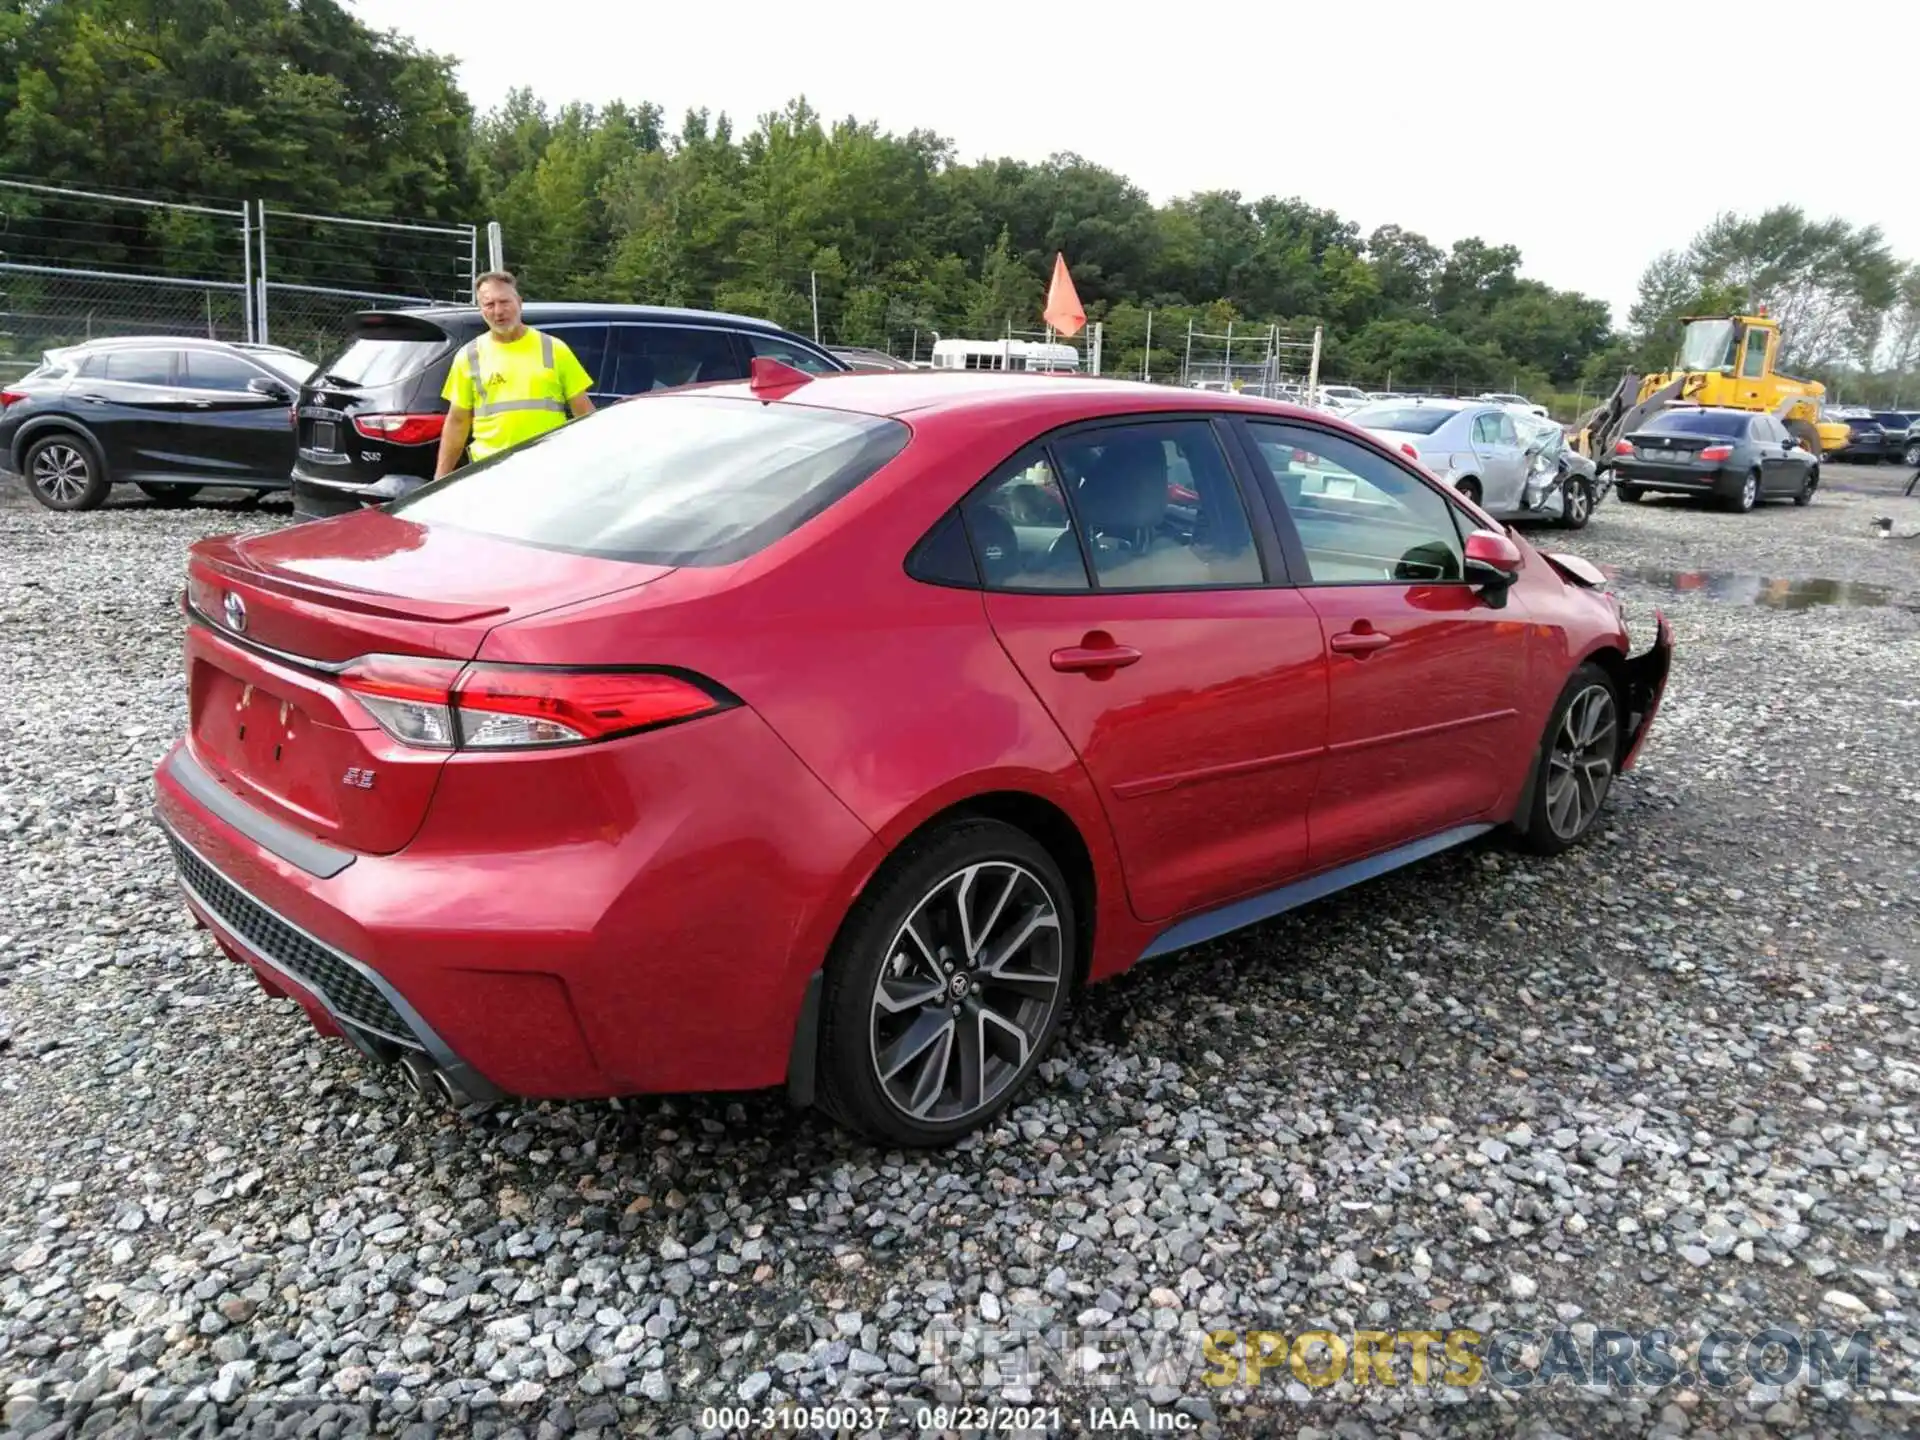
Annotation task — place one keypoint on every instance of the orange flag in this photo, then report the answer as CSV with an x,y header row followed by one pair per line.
x,y
1063,310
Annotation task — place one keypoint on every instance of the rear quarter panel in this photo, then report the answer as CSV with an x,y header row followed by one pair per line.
x,y
894,693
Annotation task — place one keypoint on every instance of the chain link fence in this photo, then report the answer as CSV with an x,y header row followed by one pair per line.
x,y
76,265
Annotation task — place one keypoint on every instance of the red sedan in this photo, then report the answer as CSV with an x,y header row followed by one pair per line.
x,y
831,732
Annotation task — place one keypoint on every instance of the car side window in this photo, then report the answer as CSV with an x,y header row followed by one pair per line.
x,y
589,346
773,347
212,370
1361,519
1486,430
1022,533
1159,507
141,367
660,357
1508,435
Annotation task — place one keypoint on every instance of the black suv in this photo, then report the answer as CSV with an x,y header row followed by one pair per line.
x,y
168,413
370,418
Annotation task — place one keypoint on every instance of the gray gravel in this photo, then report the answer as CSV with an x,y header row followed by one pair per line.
x,y
1666,1081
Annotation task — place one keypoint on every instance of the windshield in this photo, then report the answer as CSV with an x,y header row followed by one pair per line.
x,y
666,480
1707,345
367,362
1412,420
1700,422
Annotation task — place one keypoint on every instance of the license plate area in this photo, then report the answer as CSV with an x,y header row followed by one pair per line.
x,y
268,743
326,436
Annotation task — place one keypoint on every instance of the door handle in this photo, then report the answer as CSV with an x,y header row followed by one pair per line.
x,y
1096,652
94,399
1359,642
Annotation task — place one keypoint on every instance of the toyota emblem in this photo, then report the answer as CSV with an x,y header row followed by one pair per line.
x,y
236,609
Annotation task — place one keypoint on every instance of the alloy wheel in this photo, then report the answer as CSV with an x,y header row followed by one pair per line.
x,y
1749,492
1580,765
968,988
1577,503
60,473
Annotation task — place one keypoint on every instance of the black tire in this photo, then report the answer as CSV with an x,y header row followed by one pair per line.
x,y
1470,488
1804,495
1576,504
1748,495
1629,493
1542,829
168,494
920,884
65,472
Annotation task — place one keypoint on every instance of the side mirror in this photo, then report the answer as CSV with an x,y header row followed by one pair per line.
x,y
1492,559
272,389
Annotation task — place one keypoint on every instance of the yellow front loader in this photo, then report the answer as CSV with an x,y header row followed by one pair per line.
x,y
1724,360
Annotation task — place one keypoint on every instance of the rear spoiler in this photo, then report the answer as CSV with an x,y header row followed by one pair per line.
x,y
395,325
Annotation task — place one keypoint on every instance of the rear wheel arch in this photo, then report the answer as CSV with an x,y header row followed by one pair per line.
x,y
34,431
1051,827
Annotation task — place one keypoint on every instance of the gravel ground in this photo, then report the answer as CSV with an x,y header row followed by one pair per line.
x,y
1668,1081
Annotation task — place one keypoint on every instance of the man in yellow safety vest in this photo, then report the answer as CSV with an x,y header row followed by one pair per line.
x,y
509,385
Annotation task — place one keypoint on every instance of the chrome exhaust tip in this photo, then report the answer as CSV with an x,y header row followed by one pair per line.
x,y
418,1076
452,1093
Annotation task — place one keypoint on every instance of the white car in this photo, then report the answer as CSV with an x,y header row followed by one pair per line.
x,y
1515,402
1342,398
1474,445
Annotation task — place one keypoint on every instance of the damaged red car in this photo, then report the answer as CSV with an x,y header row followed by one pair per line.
x,y
832,732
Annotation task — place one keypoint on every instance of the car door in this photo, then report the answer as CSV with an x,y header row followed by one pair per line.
x,y
1424,671
230,431
1192,687
645,357
129,401
1504,475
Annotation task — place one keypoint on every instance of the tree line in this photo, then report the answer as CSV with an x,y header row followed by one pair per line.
x,y
896,235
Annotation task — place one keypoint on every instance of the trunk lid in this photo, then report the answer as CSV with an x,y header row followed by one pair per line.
x,y
276,616
1679,449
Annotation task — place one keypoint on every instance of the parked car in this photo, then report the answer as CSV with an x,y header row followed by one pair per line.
x,y
1867,441
1896,426
1736,456
1473,445
1911,451
370,419
751,735
862,357
168,413
1515,402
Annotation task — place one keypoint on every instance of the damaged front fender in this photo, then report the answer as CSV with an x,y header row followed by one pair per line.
x,y
1646,684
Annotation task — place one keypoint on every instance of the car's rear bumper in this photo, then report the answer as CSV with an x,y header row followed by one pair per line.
x,y
1721,480
637,924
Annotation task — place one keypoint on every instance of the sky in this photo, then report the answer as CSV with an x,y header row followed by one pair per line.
x,y
1591,149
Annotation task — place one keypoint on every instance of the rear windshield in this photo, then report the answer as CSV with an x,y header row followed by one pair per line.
x,y
366,362
1413,420
666,479
1700,422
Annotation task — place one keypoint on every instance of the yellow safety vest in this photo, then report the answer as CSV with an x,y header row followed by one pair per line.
x,y
518,389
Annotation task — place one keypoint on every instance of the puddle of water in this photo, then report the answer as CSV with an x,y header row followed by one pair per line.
x,y
1767,593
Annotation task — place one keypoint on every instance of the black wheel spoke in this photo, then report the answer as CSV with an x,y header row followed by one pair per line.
x,y
1580,763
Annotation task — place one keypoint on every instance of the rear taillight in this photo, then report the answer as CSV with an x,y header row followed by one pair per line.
x,y
1717,452
12,397
1623,447
445,705
411,697
401,429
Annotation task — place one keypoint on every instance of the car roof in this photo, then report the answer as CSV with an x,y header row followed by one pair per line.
x,y
1057,398
1438,402
552,312
173,342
